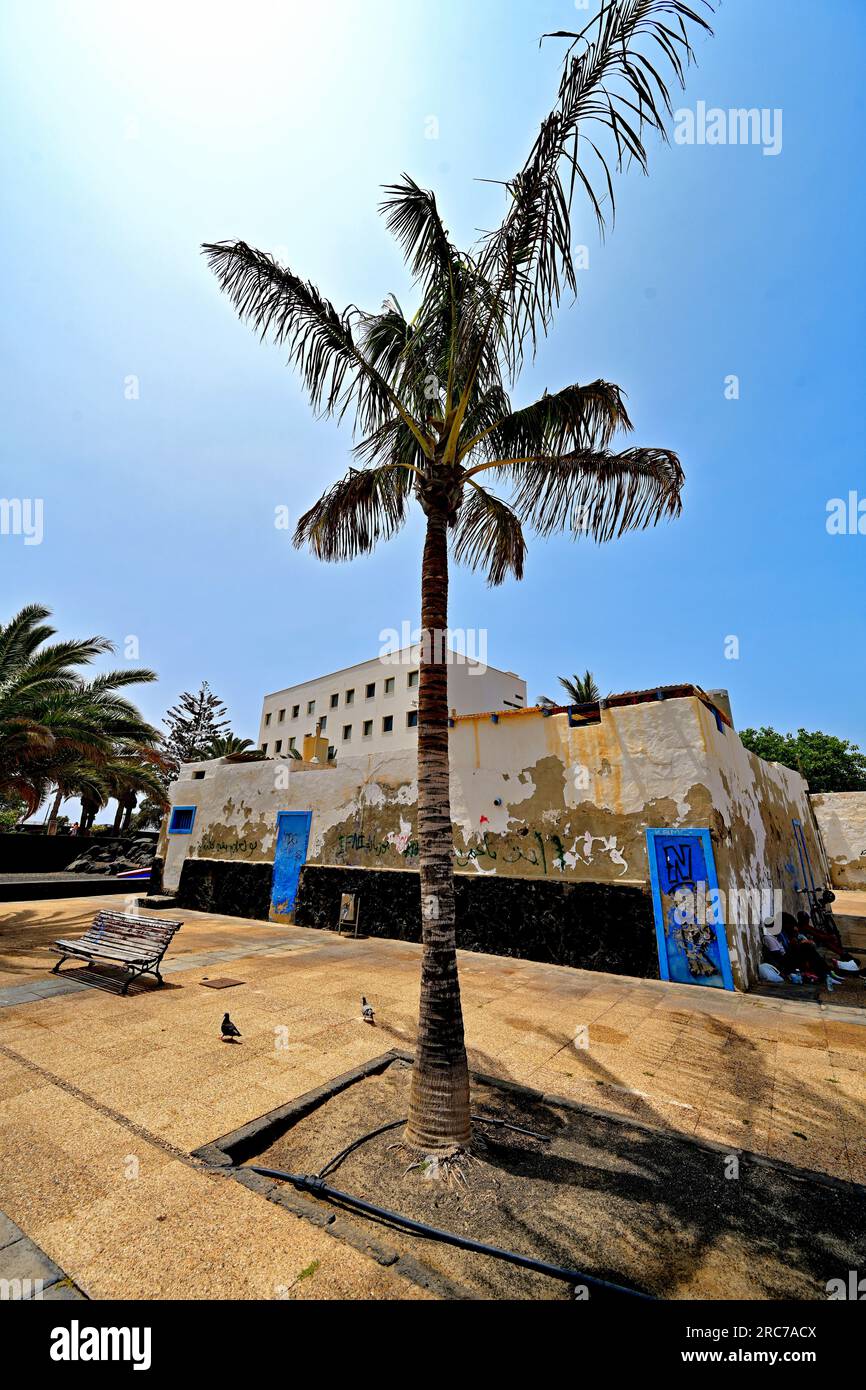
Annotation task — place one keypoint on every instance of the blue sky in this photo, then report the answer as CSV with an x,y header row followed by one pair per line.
x,y
134,133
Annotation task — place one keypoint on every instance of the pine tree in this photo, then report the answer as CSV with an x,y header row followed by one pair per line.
x,y
194,724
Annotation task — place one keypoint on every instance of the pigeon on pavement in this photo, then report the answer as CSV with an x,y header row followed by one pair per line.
x,y
229,1032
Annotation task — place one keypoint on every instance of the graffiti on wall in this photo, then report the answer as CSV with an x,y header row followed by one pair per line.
x,y
241,847
528,850
545,851
357,843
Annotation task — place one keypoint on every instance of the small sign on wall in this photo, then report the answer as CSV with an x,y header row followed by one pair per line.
x,y
349,912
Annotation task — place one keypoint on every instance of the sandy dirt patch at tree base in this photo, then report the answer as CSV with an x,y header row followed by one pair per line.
x,y
613,1199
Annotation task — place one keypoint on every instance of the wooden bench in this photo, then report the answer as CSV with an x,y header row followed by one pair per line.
x,y
137,943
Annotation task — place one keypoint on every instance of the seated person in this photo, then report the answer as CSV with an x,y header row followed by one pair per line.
x,y
810,962
777,947
837,955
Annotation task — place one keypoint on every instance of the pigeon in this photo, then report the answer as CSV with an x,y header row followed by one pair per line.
x,y
229,1032
367,1011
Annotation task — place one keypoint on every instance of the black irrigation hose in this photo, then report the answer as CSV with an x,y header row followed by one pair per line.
x,y
321,1189
356,1144
393,1124
506,1124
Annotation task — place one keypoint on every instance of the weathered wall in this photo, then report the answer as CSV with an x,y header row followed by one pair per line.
x,y
750,807
841,818
593,926
532,798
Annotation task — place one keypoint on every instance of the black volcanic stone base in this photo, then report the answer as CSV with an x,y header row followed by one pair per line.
x,y
222,885
593,926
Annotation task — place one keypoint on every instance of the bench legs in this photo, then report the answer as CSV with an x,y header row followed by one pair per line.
x,y
133,971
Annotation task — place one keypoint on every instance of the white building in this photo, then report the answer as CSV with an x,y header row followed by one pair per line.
x,y
373,706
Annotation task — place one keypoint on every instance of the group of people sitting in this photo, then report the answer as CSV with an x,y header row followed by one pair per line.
x,y
803,953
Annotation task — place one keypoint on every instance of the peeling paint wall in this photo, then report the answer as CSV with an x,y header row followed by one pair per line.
x,y
841,818
531,797
750,809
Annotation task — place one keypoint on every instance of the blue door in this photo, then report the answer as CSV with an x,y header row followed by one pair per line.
x,y
293,834
690,930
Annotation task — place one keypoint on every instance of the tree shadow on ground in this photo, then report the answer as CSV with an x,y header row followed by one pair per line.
x,y
673,1206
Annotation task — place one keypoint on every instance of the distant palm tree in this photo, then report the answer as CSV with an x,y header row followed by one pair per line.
x,y
37,680
582,690
133,772
56,728
429,395
228,743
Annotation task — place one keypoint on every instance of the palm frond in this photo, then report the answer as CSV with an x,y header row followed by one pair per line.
x,y
577,417
488,535
611,85
596,493
23,634
292,312
582,690
412,215
366,506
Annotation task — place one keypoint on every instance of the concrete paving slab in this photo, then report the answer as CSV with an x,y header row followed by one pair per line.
x,y
94,1087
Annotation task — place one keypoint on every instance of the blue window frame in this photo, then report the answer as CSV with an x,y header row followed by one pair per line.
x,y
181,822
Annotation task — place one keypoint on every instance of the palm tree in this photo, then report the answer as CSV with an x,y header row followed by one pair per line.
x,y
106,726
582,690
38,680
428,393
227,744
55,727
134,771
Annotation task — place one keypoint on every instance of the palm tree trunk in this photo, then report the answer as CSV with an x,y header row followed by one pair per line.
x,y
55,812
439,1099
127,814
118,816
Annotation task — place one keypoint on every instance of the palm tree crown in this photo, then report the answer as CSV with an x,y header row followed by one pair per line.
x,y
428,392
582,690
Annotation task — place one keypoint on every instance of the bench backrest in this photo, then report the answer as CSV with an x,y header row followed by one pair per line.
x,y
124,929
